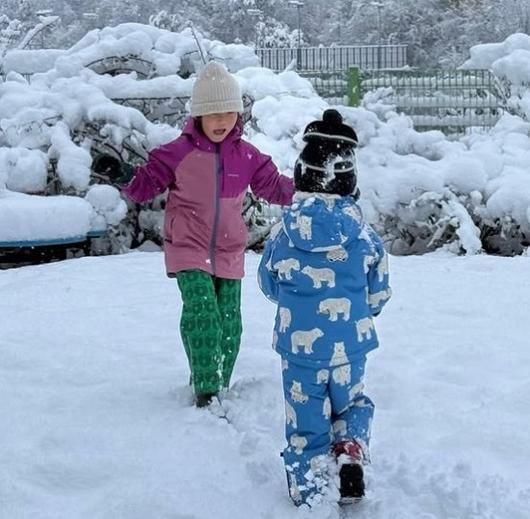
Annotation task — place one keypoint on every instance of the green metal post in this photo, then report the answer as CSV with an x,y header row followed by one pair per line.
x,y
354,86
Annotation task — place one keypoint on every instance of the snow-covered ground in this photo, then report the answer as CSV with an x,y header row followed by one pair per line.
x,y
97,421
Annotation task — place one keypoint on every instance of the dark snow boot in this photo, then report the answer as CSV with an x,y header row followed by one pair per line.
x,y
349,459
351,482
204,399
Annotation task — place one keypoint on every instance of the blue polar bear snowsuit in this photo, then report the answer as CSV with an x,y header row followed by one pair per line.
x,y
327,271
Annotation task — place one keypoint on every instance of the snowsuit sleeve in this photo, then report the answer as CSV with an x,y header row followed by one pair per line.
x,y
269,184
153,178
267,275
379,291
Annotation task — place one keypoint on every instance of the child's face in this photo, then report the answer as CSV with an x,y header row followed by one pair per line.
x,y
218,126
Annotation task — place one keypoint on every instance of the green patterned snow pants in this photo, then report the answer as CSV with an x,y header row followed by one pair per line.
x,y
210,327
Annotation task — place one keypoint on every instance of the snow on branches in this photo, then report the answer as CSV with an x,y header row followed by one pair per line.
x,y
122,90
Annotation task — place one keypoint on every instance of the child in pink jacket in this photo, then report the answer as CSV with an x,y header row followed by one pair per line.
x,y
207,170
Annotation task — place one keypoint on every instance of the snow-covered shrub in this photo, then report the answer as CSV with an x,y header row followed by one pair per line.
x,y
109,208
52,126
23,169
431,221
420,190
509,61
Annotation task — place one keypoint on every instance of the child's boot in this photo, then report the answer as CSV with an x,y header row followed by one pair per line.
x,y
349,459
204,399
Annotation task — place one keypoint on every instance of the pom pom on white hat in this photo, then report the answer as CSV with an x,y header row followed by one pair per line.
x,y
215,91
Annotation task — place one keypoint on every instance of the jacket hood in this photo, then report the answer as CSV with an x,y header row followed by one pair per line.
x,y
320,222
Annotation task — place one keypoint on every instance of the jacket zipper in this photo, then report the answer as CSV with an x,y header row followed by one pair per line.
x,y
218,171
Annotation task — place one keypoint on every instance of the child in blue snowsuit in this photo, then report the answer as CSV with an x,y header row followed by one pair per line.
x,y
327,271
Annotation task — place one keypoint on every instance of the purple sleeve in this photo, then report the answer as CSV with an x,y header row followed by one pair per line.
x,y
268,183
154,176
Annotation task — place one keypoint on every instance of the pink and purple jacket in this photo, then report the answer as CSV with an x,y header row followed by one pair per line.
x,y
207,182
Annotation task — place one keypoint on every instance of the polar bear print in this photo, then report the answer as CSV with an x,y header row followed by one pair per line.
x,y
275,230
285,318
337,254
367,263
376,299
297,393
322,376
335,306
355,391
342,375
362,402
364,328
326,408
320,276
305,339
382,268
298,442
339,354
318,464
340,428
303,224
286,266
355,214
290,415
285,364
294,491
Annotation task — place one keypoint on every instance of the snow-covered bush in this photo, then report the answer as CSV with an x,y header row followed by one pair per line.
x,y
421,191
120,91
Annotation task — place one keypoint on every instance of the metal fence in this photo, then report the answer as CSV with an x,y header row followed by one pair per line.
x,y
449,100
331,85
335,58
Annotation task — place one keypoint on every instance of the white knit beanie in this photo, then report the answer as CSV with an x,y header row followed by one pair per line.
x,y
215,91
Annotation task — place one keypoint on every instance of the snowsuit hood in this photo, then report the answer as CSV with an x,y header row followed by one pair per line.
x,y
321,222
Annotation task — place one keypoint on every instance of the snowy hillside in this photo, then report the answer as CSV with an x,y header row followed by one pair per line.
x,y
97,421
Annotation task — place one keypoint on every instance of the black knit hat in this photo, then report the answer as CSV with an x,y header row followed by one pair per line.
x,y
327,163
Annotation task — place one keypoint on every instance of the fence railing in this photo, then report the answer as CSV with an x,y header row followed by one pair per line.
x,y
449,100
331,85
335,58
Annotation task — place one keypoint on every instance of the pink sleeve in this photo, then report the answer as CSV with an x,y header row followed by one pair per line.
x,y
269,184
154,177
